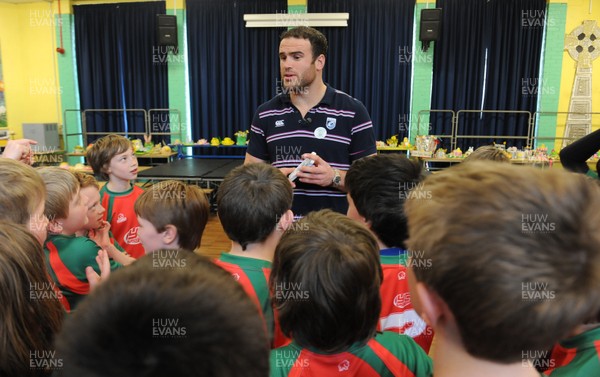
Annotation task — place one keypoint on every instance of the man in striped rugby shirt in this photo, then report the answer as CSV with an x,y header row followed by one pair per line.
x,y
310,116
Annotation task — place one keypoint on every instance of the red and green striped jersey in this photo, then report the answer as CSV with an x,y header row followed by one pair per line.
x,y
253,275
387,354
113,240
397,312
121,216
66,259
578,356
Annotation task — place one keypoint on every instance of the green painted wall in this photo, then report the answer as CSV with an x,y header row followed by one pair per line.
x,y
178,89
422,68
551,74
69,98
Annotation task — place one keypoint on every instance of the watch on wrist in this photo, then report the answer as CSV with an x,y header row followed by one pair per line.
x,y
337,178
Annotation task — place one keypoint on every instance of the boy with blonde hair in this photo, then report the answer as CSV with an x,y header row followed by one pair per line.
x,y
507,264
22,197
112,159
23,200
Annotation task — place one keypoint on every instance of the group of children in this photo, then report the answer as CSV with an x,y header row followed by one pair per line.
x,y
481,269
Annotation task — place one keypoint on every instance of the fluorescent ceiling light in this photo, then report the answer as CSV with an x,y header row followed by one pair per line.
x,y
297,19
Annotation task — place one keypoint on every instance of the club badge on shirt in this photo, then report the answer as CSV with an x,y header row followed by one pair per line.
x,y
330,123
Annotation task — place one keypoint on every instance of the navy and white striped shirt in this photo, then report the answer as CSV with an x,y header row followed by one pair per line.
x,y
339,129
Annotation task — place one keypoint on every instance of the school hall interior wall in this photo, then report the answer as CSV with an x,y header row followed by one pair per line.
x,y
31,87
40,83
558,70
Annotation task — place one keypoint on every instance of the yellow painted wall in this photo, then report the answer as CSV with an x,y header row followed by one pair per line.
x,y
577,12
28,59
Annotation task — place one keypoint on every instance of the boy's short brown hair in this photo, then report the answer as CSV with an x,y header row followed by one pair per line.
x,y
61,186
21,191
513,251
182,304
327,263
175,203
103,150
251,200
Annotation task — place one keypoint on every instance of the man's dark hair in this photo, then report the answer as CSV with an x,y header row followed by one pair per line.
x,y
317,40
172,313
379,186
251,200
327,264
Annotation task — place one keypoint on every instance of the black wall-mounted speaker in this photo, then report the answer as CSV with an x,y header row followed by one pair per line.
x,y
431,22
430,26
166,30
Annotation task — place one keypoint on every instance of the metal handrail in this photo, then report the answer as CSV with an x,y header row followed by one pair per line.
x,y
529,125
65,133
536,121
84,121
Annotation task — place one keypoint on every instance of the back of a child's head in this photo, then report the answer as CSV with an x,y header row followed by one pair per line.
x,y
325,281
378,186
30,312
85,180
103,150
172,313
21,191
513,251
488,153
61,187
178,204
251,200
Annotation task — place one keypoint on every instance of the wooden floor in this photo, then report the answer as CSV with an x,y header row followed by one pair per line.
x,y
214,239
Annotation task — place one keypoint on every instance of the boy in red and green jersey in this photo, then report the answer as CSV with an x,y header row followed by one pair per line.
x,y
122,218
112,159
66,254
253,204
387,354
96,228
253,275
66,260
577,356
377,189
325,279
397,312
